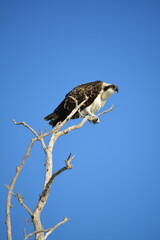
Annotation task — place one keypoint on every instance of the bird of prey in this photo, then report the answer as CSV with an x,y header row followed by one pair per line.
x,y
96,93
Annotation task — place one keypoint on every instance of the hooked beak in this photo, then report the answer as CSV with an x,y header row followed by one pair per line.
x,y
116,88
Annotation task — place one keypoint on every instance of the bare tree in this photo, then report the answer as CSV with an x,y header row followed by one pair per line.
x,y
41,233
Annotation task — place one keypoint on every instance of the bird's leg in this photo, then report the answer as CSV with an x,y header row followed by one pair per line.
x,y
93,118
80,114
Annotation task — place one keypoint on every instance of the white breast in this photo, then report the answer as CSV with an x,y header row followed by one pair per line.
x,y
98,102
95,106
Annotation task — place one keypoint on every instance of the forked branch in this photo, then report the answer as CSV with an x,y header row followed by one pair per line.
x,y
49,231
49,177
68,166
27,126
69,129
46,189
20,199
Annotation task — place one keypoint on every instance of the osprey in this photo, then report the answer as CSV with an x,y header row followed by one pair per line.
x,y
96,92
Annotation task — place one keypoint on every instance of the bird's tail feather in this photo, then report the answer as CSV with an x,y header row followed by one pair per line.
x,y
54,118
50,116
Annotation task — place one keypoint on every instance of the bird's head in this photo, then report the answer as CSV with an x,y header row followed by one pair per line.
x,y
110,87
108,90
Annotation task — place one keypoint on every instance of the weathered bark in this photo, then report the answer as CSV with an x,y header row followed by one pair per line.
x,y
10,189
49,176
38,226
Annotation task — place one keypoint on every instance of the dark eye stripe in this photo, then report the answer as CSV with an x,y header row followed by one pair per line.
x,y
107,87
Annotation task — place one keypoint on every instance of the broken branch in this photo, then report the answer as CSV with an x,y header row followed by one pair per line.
x,y
27,126
20,199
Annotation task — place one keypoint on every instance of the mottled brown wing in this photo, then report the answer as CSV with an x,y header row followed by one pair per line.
x,y
79,93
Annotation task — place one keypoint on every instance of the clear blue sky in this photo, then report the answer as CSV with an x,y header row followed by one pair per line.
x,y
49,47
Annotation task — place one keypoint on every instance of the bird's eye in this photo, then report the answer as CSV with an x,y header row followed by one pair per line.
x,y
106,88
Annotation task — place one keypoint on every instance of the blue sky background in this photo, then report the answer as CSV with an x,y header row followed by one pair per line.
x,y
49,47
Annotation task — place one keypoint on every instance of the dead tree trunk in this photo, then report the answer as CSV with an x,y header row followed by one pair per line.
x,y
41,233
